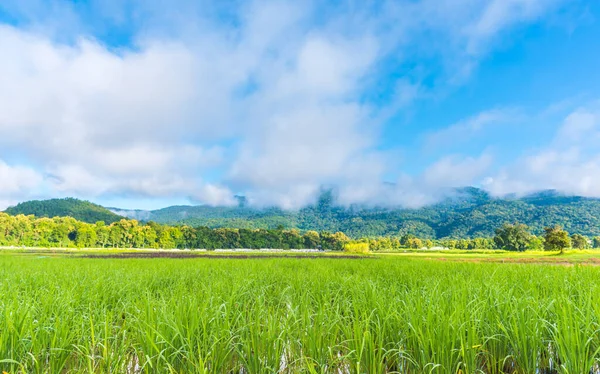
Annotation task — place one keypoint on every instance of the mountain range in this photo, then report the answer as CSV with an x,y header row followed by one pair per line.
x,y
469,212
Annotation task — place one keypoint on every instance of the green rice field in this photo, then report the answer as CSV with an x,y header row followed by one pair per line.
x,y
370,314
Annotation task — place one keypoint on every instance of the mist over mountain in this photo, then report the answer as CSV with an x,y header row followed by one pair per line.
x,y
467,212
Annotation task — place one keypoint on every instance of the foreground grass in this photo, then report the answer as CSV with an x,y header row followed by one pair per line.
x,y
306,315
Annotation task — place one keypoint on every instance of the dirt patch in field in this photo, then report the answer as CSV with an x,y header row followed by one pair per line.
x,y
537,261
183,255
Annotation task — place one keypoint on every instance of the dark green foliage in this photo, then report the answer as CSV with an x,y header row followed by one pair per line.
x,y
31,231
471,212
536,243
596,242
514,237
556,239
69,207
579,241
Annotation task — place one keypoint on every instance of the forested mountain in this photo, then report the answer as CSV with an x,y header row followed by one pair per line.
x,y
80,210
470,212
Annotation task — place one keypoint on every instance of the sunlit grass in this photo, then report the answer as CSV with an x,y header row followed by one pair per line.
x,y
573,255
325,315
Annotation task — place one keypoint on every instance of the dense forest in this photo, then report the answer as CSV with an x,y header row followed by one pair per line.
x,y
67,232
80,210
468,213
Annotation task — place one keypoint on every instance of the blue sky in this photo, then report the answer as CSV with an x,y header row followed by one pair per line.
x,y
140,105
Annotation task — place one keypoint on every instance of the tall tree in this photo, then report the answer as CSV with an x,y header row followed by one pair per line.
x,y
311,239
42,228
536,243
85,236
513,237
414,243
166,240
556,239
579,241
102,233
150,237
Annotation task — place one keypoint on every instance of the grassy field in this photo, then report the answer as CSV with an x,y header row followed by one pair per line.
x,y
405,313
568,257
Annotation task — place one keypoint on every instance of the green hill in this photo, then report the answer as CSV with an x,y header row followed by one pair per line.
x,y
467,212
78,209
470,212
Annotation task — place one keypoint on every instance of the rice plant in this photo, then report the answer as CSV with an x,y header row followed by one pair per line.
x,y
293,315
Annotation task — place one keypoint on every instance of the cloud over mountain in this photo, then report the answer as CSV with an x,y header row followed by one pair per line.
x,y
269,99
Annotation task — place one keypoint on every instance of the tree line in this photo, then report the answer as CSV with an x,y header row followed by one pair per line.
x,y
510,237
517,237
31,231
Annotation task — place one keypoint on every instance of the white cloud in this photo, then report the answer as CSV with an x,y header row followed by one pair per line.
x,y
452,171
103,123
464,130
436,182
408,192
500,14
15,179
579,126
274,99
287,197
212,194
16,183
570,163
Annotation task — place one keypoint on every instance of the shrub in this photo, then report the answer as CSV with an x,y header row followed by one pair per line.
x,y
356,247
